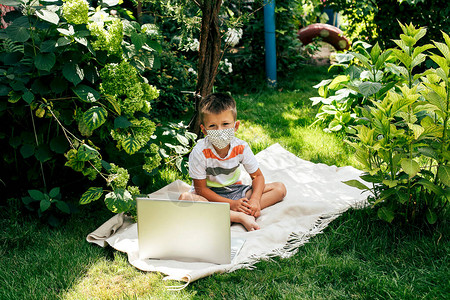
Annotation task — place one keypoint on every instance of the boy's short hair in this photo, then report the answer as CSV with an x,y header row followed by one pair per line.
x,y
216,103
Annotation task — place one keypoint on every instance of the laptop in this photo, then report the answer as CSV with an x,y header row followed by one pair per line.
x,y
185,231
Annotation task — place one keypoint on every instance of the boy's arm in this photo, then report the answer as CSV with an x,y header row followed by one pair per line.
x,y
258,183
202,189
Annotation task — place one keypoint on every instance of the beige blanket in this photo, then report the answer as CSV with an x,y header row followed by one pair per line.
x,y
315,197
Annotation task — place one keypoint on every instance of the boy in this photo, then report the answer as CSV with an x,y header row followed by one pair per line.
x,y
214,165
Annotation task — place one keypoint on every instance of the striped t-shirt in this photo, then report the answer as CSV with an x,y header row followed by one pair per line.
x,y
205,163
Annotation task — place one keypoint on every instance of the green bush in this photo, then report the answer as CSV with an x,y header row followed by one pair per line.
x,y
71,84
403,141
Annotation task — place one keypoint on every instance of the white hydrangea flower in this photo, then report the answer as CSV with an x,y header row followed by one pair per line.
x,y
226,66
192,45
192,71
233,36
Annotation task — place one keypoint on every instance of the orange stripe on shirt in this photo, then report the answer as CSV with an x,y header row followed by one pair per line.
x,y
239,149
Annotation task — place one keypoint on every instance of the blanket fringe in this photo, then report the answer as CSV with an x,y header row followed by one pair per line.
x,y
295,240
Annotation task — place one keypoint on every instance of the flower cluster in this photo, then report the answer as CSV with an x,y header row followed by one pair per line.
x,y
226,66
119,177
108,39
233,36
153,160
134,190
192,45
122,82
75,11
133,138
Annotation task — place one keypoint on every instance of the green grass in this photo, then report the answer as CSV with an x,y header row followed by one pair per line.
x,y
357,256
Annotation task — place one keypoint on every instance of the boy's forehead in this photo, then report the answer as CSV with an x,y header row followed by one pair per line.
x,y
226,115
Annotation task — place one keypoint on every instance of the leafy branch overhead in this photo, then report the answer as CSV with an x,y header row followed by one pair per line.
x,y
77,70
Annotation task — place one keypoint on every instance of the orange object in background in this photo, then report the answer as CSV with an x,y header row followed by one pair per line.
x,y
328,33
4,9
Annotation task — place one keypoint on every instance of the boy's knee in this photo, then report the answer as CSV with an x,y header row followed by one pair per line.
x,y
185,196
281,188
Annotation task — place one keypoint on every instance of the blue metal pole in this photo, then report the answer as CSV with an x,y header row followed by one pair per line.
x,y
270,44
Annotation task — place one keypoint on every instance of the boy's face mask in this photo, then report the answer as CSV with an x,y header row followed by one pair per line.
x,y
221,138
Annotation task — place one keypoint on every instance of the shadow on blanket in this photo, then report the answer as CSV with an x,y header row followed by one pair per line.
x,y
316,196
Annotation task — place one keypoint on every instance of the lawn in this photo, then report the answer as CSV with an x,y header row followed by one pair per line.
x,y
356,257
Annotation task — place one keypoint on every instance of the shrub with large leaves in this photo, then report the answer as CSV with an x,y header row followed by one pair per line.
x,y
403,142
71,85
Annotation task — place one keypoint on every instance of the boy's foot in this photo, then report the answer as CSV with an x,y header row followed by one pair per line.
x,y
249,222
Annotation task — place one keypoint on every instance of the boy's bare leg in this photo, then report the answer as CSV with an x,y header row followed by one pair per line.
x,y
248,221
273,192
192,197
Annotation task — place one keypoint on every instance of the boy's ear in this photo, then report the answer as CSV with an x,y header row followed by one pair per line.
x,y
202,128
236,126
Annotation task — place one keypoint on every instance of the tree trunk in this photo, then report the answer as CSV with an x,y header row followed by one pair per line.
x,y
209,55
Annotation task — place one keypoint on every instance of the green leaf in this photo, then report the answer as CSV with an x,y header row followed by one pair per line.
x,y
431,216
131,145
403,57
62,206
444,175
444,49
390,183
48,46
43,153
54,192
63,41
73,73
417,130
86,153
86,93
59,144
385,214
27,200
364,60
113,101
48,16
375,52
154,45
182,139
138,40
15,141
371,178
92,194
431,186
410,166
428,152
322,83
119,200
45,204
121,122
27,150
368,88
45,61
94,117
28,96
356,184
337,81
36,195
18,31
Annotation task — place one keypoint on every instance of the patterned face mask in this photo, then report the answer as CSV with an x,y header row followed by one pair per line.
x,y
221,138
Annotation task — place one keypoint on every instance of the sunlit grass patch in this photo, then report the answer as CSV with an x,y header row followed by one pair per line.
x,y
117,279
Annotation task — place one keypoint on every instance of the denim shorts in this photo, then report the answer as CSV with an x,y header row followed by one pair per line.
x,y
233,192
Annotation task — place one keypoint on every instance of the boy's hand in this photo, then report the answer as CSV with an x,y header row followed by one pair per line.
x,y
255,208
240,205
